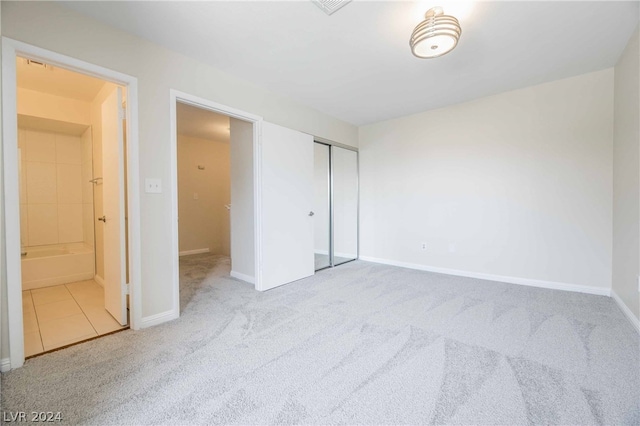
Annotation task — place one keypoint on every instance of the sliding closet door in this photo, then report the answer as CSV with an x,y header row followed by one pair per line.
x,y
344,165
287,206
322,207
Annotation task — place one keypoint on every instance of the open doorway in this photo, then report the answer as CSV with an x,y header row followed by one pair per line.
x,y
214,194
72,192
204,182
204,196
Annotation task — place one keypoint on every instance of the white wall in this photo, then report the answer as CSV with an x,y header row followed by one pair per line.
x,y
242,202
205,221
626,178
518,184
45,105
50,26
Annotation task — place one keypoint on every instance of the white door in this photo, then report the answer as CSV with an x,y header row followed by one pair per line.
x,y
115,299
287,204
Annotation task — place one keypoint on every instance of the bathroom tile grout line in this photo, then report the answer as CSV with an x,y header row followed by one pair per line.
x,y
82,310
35,313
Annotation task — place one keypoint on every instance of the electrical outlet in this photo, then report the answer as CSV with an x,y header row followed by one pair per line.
x,y
452,247
152,186
195,196
424,246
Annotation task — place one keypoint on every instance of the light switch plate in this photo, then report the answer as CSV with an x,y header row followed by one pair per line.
x,y
152,186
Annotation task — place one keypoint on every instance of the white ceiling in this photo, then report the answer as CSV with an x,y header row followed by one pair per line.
x,y
57,81
356,64
201,123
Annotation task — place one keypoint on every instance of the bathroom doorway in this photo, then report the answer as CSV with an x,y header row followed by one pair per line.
x,y
72,192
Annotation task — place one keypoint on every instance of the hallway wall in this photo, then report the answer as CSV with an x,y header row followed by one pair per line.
x,y
202,194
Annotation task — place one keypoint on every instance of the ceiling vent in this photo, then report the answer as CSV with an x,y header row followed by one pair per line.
x,y
330,6
37,64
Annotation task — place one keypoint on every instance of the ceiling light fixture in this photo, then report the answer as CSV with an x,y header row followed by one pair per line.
x,y
437,35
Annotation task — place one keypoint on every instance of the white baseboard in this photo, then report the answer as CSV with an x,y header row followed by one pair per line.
x,y
346,255
160,318
626,311
196,251
243,277
99,280
5,365
490,277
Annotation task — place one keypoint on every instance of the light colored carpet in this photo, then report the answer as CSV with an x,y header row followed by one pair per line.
x,y
358,344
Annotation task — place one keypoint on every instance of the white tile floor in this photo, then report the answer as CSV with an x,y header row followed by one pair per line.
x,y
64,314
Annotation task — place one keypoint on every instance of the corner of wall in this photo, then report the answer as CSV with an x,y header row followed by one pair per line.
x,y
626,181
635,322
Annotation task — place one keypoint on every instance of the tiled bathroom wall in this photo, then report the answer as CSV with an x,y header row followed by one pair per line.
x,y
52,192
87,187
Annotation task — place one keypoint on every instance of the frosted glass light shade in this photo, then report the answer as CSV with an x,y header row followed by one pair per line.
x,y
437,35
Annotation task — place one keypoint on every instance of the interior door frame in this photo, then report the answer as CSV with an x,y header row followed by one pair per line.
x,y
176,96
11,49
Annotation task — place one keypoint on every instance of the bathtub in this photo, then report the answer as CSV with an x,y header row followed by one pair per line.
x,y
45,266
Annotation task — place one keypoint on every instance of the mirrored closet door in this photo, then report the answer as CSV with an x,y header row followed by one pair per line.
x,y
336,205
322,206
344,166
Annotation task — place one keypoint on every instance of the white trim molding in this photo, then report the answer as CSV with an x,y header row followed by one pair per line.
x,y
490,277
243,277
196,251
635,322
157,319
5,365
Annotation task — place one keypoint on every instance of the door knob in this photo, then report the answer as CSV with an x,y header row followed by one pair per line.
x,y
311,213
103,219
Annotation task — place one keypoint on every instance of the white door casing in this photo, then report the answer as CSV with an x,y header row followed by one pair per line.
x,y
113,202
287,204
